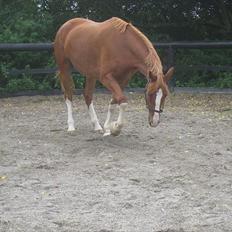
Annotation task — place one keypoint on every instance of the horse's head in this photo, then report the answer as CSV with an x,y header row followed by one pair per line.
x,y
155,94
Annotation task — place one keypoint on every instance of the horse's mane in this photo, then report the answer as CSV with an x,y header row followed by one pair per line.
x,y
119,24
152,60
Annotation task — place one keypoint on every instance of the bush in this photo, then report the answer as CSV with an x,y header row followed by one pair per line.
x,y
223,80
212,57
25,83
193,78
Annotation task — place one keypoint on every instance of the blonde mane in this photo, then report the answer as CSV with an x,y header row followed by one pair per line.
x,y
119,24
152,60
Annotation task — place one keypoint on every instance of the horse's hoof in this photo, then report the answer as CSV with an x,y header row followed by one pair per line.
x,y
115,132
98,128
70,129
99,131
115,128
107,133
123,105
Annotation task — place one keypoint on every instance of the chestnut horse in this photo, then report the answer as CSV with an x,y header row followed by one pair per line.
x,y
111,52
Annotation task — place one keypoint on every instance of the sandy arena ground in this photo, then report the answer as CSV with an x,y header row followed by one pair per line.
x,y
173,178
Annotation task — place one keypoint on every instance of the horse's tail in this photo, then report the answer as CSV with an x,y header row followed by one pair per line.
x,y
64,70
64,64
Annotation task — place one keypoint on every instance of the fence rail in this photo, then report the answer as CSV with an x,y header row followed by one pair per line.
x,y
49,46
170,61
12,47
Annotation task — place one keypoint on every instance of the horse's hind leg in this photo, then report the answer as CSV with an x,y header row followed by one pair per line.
x,y
68,88
88,94
71,126
66,81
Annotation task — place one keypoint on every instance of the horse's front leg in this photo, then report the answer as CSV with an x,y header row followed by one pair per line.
x,y
115,127
108,118
88,94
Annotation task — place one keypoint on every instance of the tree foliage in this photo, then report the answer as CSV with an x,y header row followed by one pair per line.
x,y
174,19
166,20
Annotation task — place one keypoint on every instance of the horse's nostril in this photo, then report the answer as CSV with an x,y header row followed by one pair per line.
x,y
154,124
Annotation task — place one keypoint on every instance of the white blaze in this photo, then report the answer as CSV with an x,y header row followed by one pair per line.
x,y
159,95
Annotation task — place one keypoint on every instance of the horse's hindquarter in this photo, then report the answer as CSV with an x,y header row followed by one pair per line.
x,y
96,49
80,49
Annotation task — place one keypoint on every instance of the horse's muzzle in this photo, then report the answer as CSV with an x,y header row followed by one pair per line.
x,y
154,119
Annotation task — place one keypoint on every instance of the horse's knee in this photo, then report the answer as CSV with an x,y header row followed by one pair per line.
x,y
68,95
113,101
88,98
119,100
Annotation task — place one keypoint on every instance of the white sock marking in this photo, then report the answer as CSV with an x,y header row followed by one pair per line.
x,y
107,122
70,116
114,127
93,117
122,107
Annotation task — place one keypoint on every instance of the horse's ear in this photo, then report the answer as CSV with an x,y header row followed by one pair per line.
x,y
169,74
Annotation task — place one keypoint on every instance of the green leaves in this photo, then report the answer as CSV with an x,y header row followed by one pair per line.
x,y
167,20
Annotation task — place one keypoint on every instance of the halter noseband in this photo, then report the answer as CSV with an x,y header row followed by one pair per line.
x,y
158,111
154,110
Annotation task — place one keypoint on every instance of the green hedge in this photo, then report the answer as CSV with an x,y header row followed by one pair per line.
x,y
193,78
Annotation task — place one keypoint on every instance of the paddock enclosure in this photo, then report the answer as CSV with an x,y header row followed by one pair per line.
x,y
172,178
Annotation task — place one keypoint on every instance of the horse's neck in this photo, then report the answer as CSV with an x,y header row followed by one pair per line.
x,y
155,68
150,61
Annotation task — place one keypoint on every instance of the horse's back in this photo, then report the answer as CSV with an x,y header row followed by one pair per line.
x,y
90,45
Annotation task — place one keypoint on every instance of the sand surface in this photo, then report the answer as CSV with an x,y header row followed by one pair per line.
x,y
173,178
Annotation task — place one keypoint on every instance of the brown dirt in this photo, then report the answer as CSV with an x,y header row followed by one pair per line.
x,y
173,178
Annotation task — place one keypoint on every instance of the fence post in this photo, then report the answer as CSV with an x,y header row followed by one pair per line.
x,y
170,63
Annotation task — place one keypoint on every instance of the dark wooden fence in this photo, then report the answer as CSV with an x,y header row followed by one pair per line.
x,y
169,47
